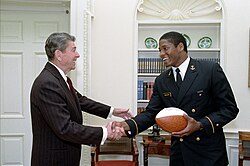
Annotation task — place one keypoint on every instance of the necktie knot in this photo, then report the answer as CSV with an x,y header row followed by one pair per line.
x,y
178,77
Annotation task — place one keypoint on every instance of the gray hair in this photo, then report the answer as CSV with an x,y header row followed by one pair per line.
x,y
57,41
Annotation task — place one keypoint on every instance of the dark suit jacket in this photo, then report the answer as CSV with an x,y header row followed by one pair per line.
x,y
57,121
205,95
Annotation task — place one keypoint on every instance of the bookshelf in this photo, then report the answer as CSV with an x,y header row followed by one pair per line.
x,y
151,24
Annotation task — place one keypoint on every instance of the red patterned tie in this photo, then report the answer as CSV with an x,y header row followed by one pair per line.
x,y
71,86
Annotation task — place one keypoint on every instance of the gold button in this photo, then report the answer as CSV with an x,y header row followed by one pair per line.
x,y
198,139
181,139
193,110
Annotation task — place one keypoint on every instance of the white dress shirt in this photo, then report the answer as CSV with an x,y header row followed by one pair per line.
x,y
183,68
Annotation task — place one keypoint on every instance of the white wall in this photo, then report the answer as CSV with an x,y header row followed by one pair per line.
x,y
112,76
112,52
237,57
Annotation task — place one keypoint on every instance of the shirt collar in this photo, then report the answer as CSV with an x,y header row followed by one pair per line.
x,y
183,67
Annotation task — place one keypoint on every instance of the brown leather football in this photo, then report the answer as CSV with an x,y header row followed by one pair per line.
x,y
171,119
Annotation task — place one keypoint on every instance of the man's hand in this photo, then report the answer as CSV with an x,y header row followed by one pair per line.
x,y
122,113
192,126
122,124
114,132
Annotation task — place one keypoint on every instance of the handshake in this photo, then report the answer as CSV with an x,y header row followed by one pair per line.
x,y
116,130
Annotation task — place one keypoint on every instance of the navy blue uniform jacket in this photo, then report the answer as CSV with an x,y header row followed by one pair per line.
x,y
205,95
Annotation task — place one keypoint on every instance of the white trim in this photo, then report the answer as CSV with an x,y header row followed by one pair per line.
x,y
12,134
77,29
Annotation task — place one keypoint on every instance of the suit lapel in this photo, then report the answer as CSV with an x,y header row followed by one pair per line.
x,y
172,85
190,76
64,85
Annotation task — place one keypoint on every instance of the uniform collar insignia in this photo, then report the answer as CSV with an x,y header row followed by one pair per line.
x,y
169,73
192,68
